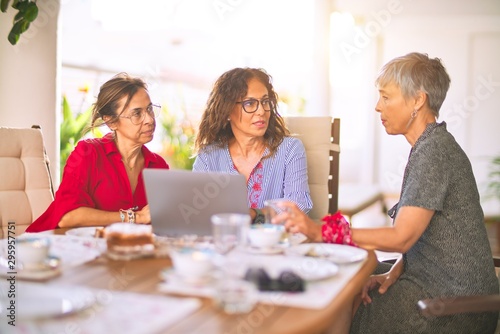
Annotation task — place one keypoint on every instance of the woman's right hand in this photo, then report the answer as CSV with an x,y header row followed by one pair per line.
x,y
297,221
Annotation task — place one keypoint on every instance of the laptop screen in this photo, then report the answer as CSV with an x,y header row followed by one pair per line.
x,y
181,202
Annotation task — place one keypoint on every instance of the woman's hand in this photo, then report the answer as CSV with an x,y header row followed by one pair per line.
x,y
296,221
143,216
382,281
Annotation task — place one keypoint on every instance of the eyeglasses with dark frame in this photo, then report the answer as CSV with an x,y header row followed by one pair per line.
x,y
138,115
251,105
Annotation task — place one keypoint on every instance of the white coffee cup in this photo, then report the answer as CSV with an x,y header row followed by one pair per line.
x,y
32,253
192,263
265,235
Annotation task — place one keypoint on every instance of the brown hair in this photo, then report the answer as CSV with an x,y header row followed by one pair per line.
x,y
110,94
231,87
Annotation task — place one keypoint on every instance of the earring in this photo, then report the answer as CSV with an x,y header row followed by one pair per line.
x,y
228,119
413,113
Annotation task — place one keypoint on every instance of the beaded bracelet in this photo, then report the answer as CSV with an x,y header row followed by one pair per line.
x,y
122,215
130,215
336,230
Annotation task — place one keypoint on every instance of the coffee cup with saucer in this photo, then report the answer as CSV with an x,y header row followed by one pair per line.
x,y
265,238
193,264
33,254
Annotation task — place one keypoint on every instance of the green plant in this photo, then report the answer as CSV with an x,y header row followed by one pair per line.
x,y
178,140
72,130
494,178
27,12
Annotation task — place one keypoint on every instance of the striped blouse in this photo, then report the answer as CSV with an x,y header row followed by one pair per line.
x,y
284,174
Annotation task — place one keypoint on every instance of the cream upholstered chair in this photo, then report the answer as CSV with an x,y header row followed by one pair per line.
x,y
320,136
25,186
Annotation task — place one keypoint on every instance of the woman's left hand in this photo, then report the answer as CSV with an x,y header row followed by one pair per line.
x,y
143,216
382,281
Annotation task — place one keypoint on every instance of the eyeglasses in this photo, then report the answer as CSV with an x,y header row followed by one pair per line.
x,y
138,115
251,105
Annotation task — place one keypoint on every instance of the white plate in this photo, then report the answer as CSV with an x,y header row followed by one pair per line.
x,y
37,301
82,232
310,269
340,254
265,251
169,274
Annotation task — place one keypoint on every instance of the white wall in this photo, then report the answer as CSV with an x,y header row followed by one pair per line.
x,y
29,91
465,35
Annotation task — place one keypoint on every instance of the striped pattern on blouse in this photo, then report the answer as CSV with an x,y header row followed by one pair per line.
x,y
285,173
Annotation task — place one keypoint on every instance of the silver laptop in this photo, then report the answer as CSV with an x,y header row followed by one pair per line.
x,y
181,202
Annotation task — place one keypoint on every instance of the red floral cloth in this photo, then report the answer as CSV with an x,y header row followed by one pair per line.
x,y
336,230
255,182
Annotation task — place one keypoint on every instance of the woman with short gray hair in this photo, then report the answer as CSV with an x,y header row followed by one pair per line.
x,y
438,224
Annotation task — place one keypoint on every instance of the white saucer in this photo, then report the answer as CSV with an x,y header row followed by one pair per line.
x,y
170,274
86,232
340,254
50,268
40,301
263,251
50,263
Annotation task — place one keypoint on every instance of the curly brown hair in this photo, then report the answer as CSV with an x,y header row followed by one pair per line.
x,y
231,87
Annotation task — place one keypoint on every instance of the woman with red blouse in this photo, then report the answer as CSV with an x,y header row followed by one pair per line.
x,y
102,180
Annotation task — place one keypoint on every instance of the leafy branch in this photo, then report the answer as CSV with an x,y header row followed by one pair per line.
x,y
73,128
27,12
494,177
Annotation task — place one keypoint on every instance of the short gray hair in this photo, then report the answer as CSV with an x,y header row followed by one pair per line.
x,y
417,72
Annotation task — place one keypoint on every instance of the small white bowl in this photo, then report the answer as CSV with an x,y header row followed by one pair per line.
x,y
192,263
265,235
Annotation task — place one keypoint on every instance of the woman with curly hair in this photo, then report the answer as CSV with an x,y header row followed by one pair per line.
x,y
242,132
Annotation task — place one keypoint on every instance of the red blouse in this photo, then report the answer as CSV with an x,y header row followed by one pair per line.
x,y
95,177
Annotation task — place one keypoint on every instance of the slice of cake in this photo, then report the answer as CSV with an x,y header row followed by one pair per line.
x,y
129,238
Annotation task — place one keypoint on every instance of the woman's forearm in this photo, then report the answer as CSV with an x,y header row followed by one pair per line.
x,y
84,216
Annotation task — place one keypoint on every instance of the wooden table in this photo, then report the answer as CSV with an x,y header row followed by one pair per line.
x,y
142,276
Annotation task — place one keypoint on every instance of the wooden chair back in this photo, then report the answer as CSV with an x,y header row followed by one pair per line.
x,y
321,138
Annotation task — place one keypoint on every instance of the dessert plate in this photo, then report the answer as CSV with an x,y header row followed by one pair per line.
x,y
37,301
169,274
88,232
308,268
263,250
340,254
